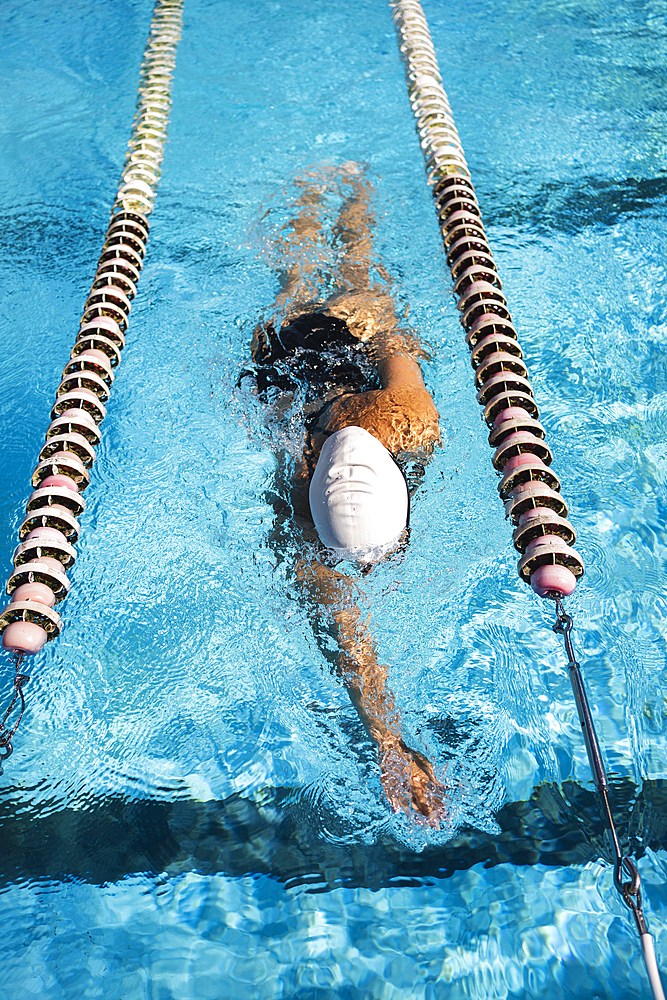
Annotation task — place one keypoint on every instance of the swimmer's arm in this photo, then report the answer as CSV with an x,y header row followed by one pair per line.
x,y
401,415
407,776
399,371
364,677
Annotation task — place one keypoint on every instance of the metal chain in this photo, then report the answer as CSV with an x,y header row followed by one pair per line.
x,y
630,891
6,735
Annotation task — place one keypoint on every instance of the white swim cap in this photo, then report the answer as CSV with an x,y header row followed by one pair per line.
x,y
358,495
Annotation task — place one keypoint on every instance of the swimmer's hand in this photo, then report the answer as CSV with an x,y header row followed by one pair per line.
x,y
409,781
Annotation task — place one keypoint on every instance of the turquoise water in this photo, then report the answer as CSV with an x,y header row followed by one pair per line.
x,y
192,810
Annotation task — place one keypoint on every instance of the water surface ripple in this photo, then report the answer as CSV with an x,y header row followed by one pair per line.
x,y
193,810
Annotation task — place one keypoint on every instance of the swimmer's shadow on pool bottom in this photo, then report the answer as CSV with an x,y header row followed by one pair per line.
x,y
274,834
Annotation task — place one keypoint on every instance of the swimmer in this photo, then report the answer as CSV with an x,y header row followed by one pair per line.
x,y
367,412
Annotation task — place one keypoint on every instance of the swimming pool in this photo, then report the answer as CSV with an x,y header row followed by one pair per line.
x,y
192,809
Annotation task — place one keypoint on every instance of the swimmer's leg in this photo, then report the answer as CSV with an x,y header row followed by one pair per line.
x,y
300,249
364,301
353,234
301,252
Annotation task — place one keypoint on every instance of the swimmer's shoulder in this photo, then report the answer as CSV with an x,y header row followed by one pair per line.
x,y
403,420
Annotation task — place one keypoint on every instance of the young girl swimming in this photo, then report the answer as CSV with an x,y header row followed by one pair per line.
x,y
367,411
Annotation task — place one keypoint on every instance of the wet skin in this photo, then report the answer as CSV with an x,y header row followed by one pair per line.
x,y
401,415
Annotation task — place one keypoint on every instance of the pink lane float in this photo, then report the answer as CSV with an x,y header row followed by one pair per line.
x,y
529,487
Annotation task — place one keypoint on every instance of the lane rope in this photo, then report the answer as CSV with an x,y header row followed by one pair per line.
x,y
529,488
50,528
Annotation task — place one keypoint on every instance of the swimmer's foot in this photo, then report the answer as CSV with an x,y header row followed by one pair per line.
x,y
409,781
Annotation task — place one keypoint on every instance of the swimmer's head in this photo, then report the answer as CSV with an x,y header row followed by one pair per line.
x,y
358,496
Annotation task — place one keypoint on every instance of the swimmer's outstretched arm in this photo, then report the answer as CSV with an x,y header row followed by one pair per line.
x,y
407,776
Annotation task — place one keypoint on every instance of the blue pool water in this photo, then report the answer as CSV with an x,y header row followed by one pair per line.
x,y
192,810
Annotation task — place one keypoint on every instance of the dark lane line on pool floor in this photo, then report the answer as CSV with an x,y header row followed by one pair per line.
x,y
278,834
572,207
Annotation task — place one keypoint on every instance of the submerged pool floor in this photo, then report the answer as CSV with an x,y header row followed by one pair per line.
x,y
193,810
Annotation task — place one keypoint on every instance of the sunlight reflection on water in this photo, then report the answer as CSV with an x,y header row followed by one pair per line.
x,y
187,671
